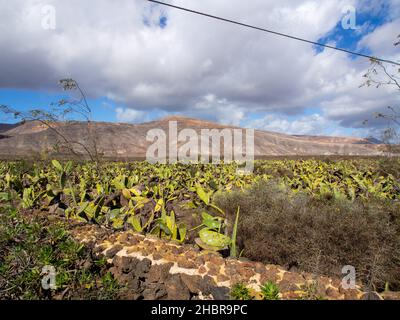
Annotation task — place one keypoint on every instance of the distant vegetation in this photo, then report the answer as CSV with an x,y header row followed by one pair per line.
x,y
310,215
319,235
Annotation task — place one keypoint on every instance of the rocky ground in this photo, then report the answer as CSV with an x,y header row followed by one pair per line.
x,y
104,264
152,268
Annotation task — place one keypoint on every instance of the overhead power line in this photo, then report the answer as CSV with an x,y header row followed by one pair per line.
x,y
274,32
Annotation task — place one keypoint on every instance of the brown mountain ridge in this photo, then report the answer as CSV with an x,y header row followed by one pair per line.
x,y
121,141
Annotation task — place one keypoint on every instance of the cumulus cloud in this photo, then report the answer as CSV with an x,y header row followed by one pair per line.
x,y
130,115
147,57
306,125
220,110
382,39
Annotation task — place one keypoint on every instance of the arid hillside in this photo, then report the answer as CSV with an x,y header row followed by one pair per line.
x,y
128,141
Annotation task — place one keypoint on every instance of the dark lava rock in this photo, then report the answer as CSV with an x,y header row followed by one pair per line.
x,y
143,268
159,273
128,239
193,283
133,284
98,250
176,289
155,291
126,264
285,286
220,293
113,251
197,284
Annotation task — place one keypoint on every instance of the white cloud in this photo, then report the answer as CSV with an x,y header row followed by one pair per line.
x,y
382,39
118,50
219,110
307,125
130,115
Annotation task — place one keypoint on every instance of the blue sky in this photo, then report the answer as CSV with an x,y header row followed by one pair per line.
x,y
367,21
141,62
25,100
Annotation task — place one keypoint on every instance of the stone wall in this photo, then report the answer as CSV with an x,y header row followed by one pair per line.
x,y
152,268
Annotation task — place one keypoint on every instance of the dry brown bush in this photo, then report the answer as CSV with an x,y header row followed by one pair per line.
x,y
319,235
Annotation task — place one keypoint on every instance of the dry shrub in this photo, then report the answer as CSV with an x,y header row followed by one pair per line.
x,y
318,235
